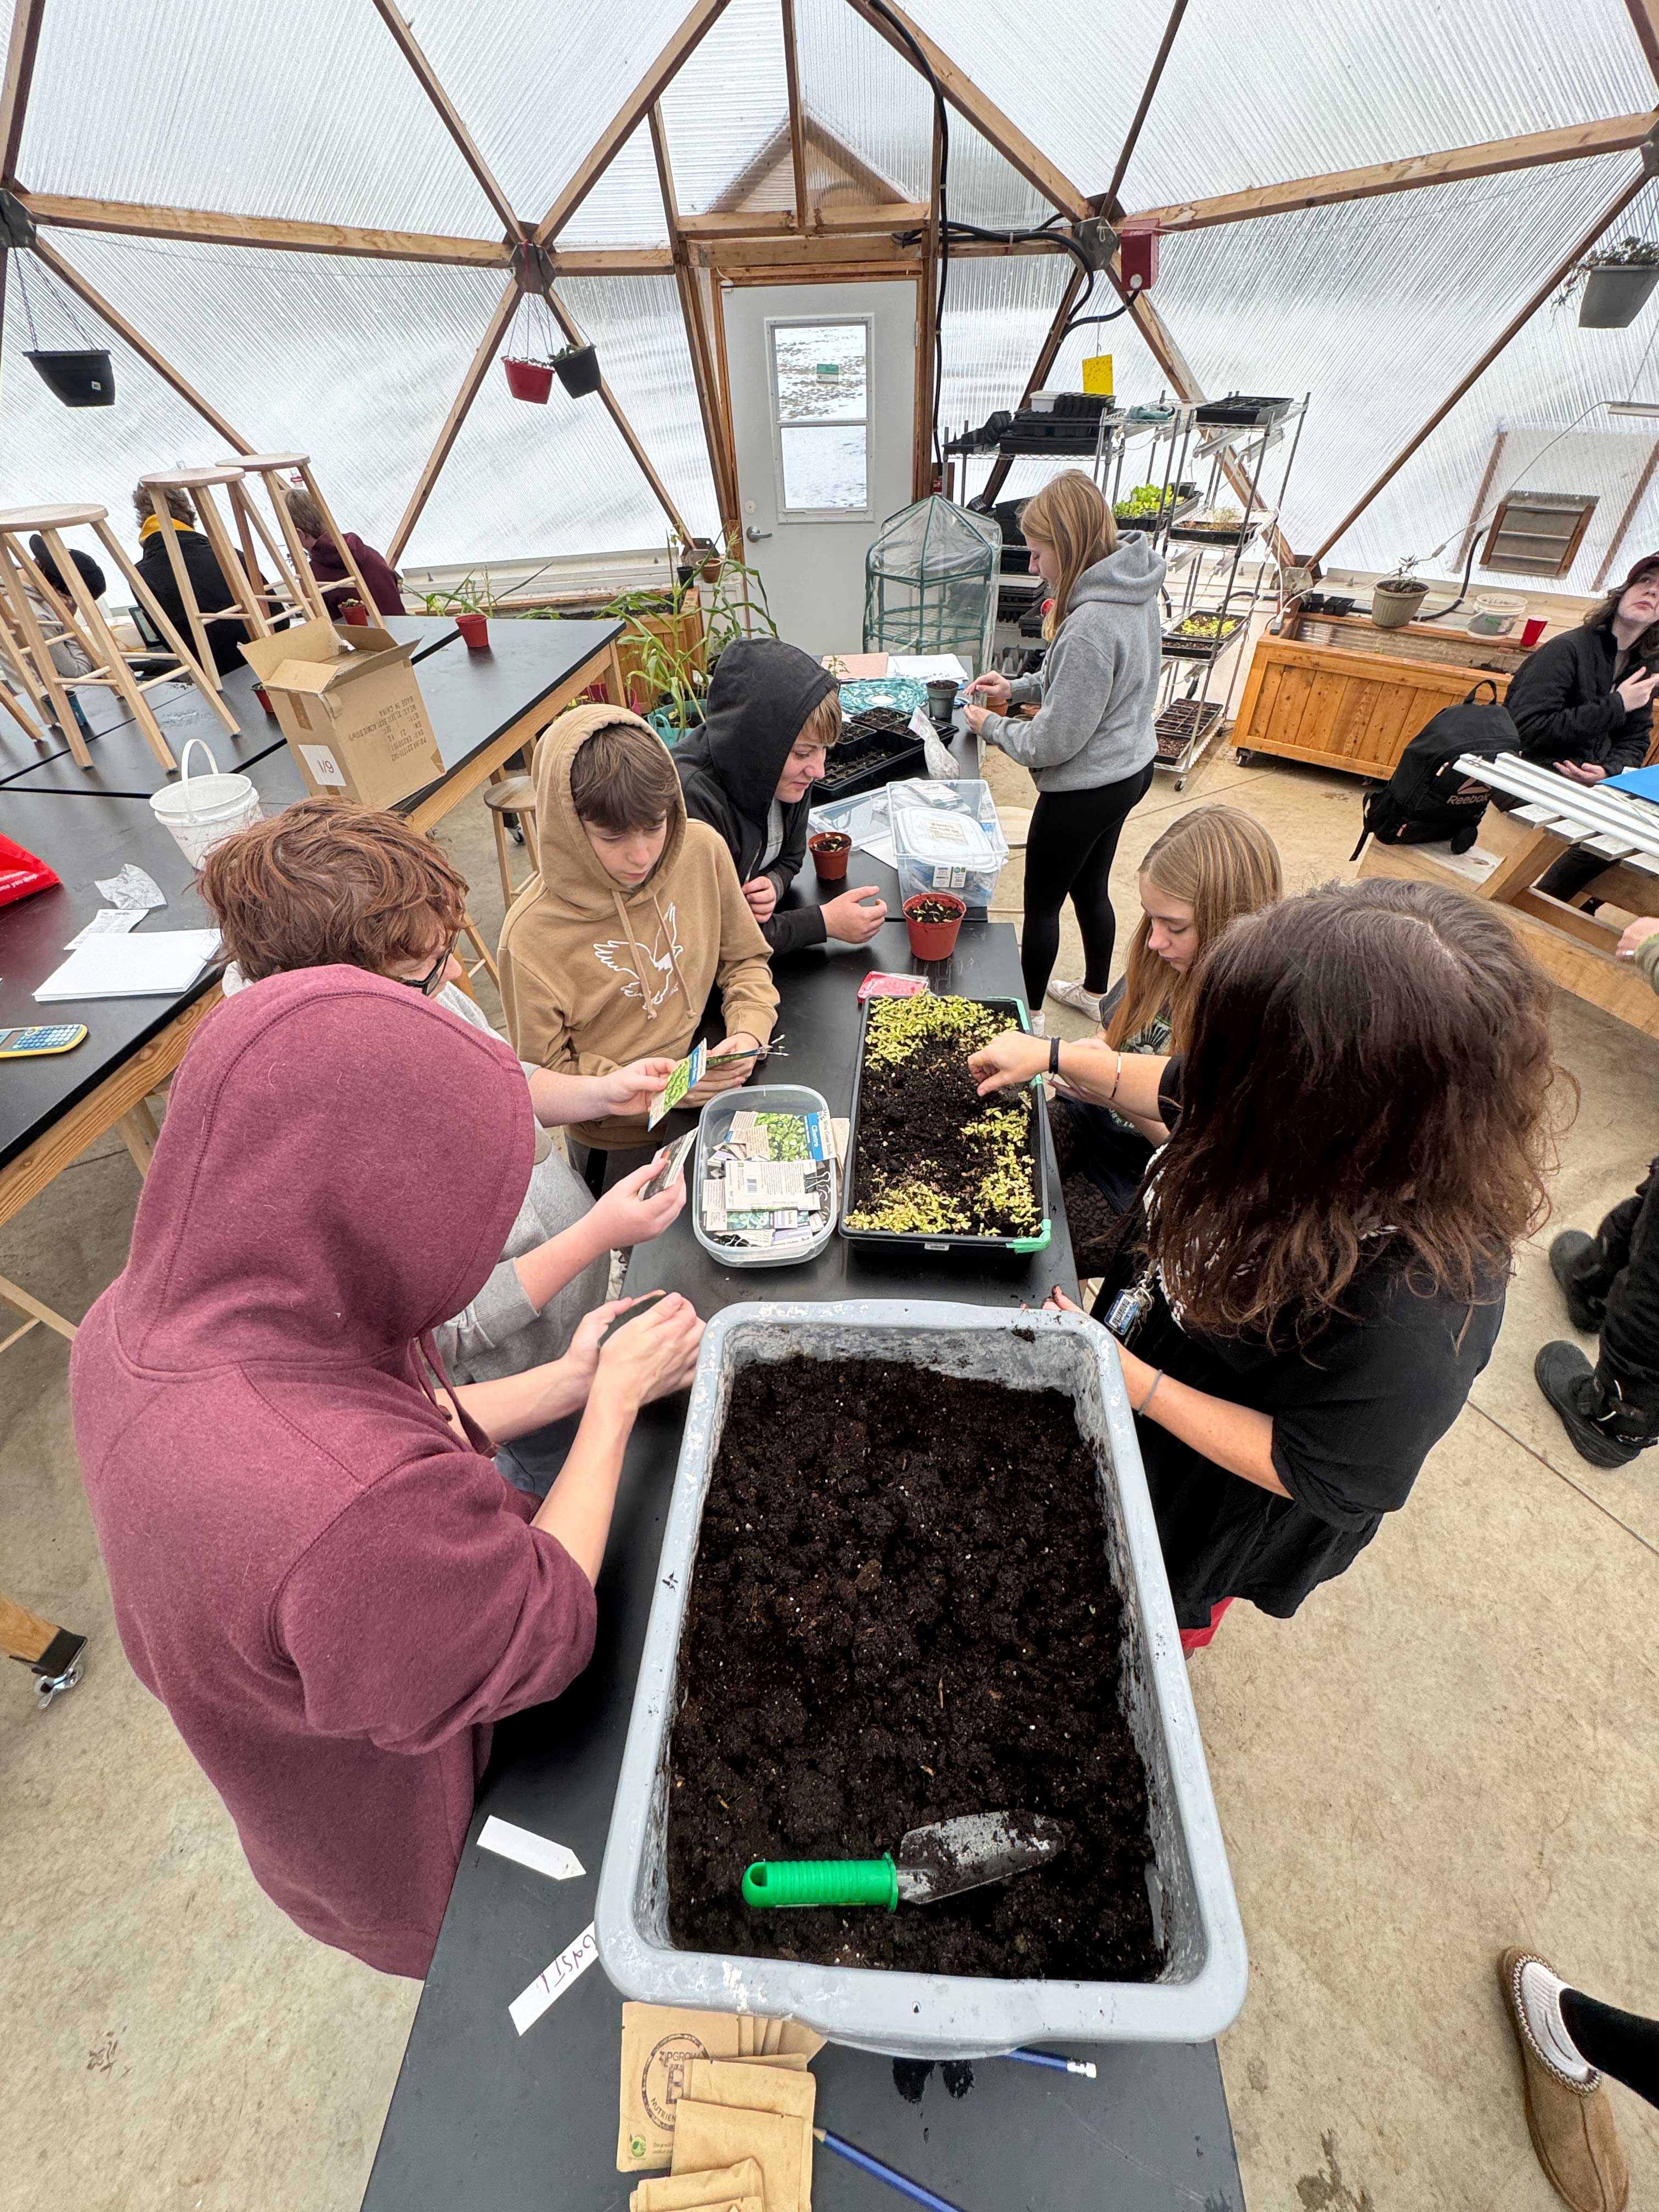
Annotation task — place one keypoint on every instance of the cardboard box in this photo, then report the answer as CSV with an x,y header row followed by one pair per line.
x,y
348,704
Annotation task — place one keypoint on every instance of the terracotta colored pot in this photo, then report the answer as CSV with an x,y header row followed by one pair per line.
x,y
357,615
529,380
830,850
264,698
474,628
933,940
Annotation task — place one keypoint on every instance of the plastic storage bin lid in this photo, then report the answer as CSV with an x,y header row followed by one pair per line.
x,y
945,841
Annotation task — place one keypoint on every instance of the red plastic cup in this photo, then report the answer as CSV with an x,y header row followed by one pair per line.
x,y
474,628
1533,629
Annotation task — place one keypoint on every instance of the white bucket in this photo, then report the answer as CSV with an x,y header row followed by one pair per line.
x,y
1495,614
197,812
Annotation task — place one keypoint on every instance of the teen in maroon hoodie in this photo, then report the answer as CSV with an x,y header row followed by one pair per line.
x,y
328,1585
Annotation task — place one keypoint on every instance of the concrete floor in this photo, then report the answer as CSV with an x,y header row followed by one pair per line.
x,y
1450,1749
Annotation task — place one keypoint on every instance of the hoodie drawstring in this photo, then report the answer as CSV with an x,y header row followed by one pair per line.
x,y
642,958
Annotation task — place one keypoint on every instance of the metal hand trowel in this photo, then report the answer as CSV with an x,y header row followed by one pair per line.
x,y
934,1862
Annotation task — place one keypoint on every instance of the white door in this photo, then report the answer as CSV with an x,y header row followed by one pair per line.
x,y
822,410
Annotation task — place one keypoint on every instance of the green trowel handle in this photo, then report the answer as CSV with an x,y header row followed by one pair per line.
x,y
822,1881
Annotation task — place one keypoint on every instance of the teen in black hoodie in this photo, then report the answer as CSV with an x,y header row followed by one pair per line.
x,y
748,773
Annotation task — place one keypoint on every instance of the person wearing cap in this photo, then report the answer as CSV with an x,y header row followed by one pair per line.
x,y
55,612
1582,702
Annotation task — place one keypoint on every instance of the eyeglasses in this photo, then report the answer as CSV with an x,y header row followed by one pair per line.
x,y
430,984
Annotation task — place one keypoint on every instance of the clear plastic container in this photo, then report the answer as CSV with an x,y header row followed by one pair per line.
x,y
715,1120
946,837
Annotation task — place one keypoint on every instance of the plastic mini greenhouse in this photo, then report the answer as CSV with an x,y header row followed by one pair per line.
x,y
930,582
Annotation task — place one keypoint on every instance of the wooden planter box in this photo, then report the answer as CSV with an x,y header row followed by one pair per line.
x,y
1339,708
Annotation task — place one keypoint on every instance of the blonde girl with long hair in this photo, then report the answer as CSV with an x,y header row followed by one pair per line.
x,y
1090,746
1203,872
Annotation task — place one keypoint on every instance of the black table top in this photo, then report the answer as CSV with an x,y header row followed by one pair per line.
x,y
80,839
484,2118
89,822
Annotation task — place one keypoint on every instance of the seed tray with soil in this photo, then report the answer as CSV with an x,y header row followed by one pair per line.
x,y
875,747
892,1622
931,1164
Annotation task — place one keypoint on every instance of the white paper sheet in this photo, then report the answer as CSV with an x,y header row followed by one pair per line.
x,y
131,967
109,920
928,668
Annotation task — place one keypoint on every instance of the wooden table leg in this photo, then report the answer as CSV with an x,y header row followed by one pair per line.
x,y
1525,866
138,1134
51,1654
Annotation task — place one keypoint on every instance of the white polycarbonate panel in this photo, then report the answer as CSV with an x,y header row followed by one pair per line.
x,y
306,109
353,363
729,102
1293,91
625,207
537,83
528,480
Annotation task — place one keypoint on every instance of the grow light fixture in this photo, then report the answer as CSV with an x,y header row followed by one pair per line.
x,y
1647,408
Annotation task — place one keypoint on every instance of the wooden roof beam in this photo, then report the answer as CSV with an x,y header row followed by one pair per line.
x,y
392,16
1644,22
477,368
664,499
1577,141
1109,197
622,125
211,226
722,465
797,127
21,50
1574,253
986,118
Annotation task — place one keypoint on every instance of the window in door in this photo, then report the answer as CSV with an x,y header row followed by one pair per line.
x,y
819,377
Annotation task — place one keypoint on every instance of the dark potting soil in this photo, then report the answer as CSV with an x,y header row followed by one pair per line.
x,y
901,1612
931,1156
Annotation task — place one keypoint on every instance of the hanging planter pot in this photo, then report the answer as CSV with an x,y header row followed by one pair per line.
x,y
80,378
1614,297
578,369
529,380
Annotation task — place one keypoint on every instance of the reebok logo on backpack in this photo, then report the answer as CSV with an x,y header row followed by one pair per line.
x,y
1428,800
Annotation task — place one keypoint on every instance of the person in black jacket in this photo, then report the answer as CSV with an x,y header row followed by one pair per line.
x,y
773,712
207,580
1582,702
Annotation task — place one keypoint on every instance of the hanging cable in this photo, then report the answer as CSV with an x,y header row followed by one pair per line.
x,y
941,123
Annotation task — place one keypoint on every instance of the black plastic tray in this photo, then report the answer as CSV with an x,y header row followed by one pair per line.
x,y
907,759
910,1240
1204,648
1241,407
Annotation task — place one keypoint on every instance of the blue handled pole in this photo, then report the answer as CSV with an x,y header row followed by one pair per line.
x,y
1084,2066
894,2179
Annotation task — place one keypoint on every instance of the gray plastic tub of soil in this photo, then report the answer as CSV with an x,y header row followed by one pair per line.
x,y
1201,1988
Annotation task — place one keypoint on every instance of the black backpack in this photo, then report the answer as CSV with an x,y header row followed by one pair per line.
x,y
1428,800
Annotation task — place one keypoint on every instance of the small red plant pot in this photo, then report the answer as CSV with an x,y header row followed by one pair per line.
x,y
529,380
830,849
933,918
474,628
357,615
264,698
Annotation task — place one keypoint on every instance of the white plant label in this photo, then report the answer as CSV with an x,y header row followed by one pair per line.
x,y
539,1853
549,1986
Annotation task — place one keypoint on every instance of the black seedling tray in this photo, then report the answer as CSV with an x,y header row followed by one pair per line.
x,y
1244,407
1203,649
913,1241
876,747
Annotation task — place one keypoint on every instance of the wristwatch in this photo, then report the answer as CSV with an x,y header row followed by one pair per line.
x,y
1053,1056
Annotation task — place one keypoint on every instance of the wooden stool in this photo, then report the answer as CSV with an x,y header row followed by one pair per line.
x,y
247,606
486,959
512,794
29,650
51,1654
273,471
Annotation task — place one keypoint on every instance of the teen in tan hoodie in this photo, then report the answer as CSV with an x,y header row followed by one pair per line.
x,y
598,970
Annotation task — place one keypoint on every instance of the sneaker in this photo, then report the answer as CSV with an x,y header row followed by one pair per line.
x,y
1566,1251
1568,2115
1081,1001
1601,1427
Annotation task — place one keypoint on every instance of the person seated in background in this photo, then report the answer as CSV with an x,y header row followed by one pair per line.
x,y
1360,1129
207,579
327,566
314,1563
56,610
1611,1284
634,916
322,885
771,715
1583,703
1213,865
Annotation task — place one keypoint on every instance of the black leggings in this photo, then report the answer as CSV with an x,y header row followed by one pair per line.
x,y
1620,1272
1616,2043
1069,851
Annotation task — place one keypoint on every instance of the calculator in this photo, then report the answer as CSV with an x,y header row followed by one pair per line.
x,y
52,1036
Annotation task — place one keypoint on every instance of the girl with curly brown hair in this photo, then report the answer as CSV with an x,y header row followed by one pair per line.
x,y
1360,1129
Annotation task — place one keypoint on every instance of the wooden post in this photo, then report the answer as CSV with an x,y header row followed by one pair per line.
x,y
1479,506
1609,214
921,464
797,131
696,337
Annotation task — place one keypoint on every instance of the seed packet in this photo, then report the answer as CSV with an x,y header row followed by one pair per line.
x,y
658,2042
711,2134
668,2193
686,1077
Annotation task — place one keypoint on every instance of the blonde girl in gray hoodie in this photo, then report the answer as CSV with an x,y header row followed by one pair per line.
x,y
1090,746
